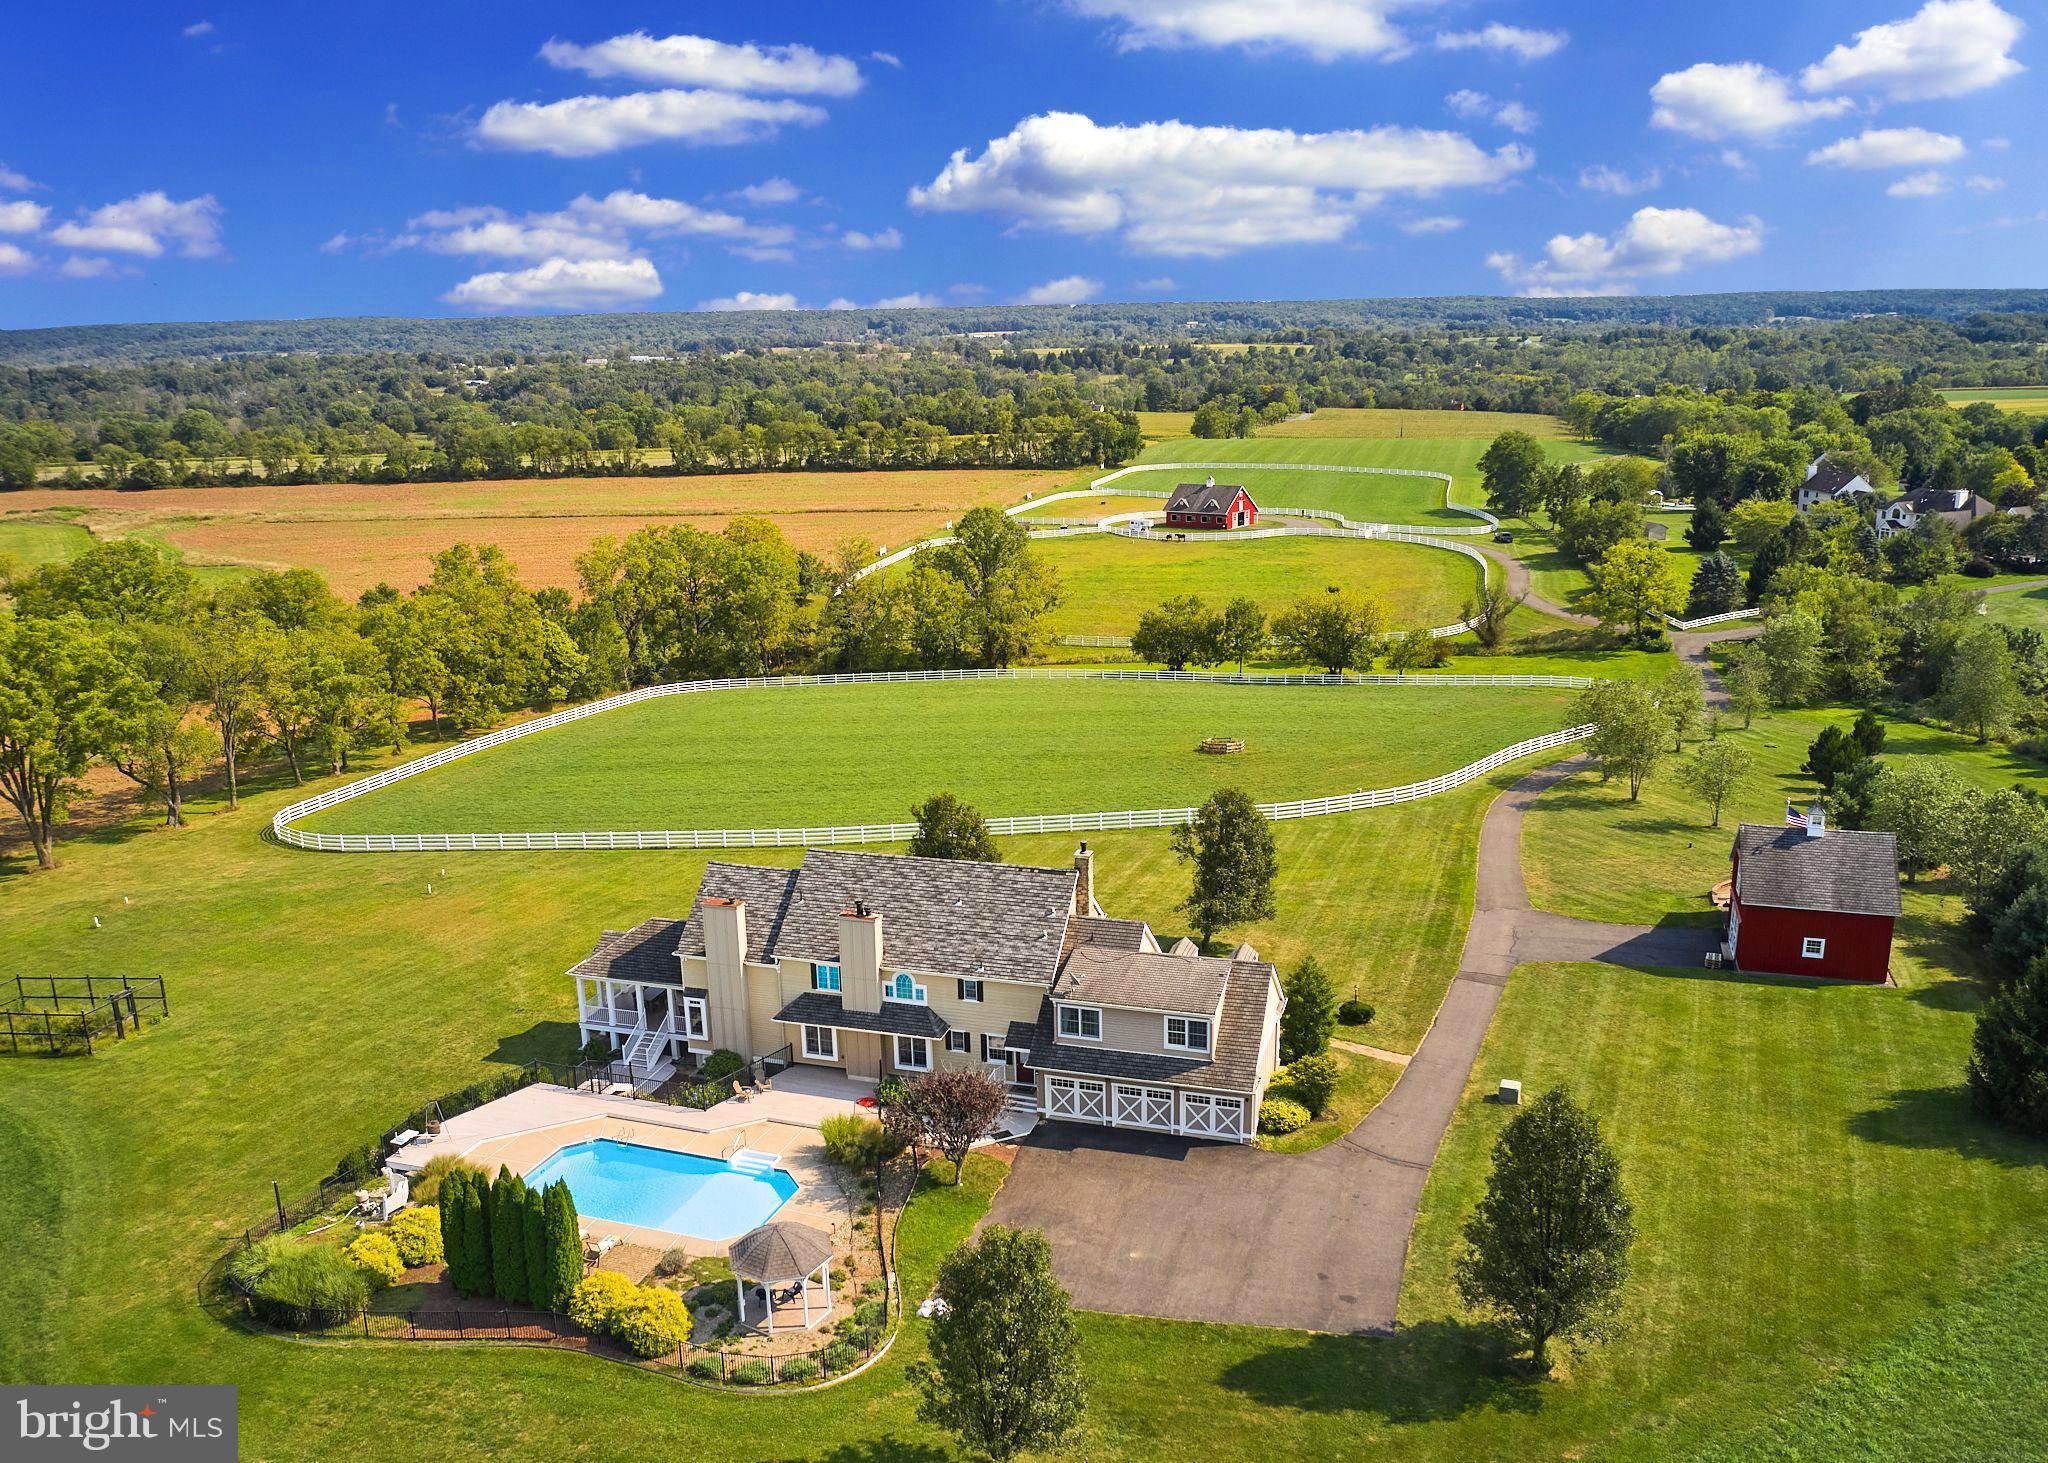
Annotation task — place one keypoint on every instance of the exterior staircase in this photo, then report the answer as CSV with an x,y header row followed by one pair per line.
x,y
647,1049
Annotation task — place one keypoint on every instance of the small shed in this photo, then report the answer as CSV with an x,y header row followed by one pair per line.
x,y
1806,899
782,1263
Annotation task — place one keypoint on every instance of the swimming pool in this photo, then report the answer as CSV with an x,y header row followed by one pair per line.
x,y
681,1193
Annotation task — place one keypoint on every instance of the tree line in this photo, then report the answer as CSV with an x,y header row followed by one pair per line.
x,y
122,658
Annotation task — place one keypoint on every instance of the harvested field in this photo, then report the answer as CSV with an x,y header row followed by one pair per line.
x,y
357,534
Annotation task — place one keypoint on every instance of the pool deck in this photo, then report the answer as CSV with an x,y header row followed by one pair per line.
x,y
522,1129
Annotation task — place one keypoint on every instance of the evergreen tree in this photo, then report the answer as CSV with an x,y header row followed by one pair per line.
x,y
1230,845
565,1246
1717,588
449,1200
1005,1369
533,1230
2009,1060
1548,1245
1708,529
1854,792
1832,754
476,1238
508,1227
1310,1016
1868,732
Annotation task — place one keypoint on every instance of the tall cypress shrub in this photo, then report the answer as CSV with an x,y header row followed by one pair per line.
x,y
450,1199
533,1229
565,1246
508,1226
476,1237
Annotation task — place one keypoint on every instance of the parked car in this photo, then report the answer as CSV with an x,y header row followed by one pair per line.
x,y
1503,537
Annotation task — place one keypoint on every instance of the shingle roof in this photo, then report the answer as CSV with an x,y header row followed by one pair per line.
x,y
1111,934
1830,476
766,892
896,1018
778,1253
1846,871
1233,1066
941,916
1210,497
647,952
1140,979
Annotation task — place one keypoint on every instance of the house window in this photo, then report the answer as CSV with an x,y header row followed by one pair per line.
x,y
696,1024
970,990
903,988
994,1046
1081,1022
1187,1033
824,977
960,1041
913,1054
821,1042
1813,947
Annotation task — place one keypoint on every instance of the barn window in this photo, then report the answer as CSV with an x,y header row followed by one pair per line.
x,y
1813,947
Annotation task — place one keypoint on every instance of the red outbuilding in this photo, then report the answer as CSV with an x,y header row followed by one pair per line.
x,y
1207,505
1806,899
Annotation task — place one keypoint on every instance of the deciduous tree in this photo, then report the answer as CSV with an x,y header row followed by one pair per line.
x,y
1310,1017
1241,632
1512,472
1177,633
1628,730
946,1112
1337,630
950,829
1230,846
1634,582
1548,1246
1005,1371
1980,691
1714,772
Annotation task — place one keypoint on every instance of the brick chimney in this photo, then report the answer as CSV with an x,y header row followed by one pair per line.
x,y
1084,880
860,958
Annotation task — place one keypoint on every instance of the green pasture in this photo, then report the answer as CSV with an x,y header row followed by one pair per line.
x,y
816,756
2005,398
1108,580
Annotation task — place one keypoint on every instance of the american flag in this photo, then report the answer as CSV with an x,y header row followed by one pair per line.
x,y
1795,816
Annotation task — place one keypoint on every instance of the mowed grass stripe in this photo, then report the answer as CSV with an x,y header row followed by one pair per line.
x,y
1108,580
835,755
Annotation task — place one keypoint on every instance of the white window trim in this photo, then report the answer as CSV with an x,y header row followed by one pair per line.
x,y
696,1018
980,989
1060,1020
923,1045
1813,947
831,1043
818,970
966,1047
919,995
1208,1035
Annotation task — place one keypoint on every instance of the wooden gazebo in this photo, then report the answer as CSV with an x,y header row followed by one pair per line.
x,y
784,1261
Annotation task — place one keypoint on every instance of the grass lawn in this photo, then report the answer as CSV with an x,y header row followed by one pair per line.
x,y
1099,506
2019,607
1109,580
1588,851
826,755
1564,581
1352,421
1365,1081
30,544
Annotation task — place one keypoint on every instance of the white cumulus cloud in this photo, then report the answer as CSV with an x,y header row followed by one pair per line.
x,y
698,61
88,266
1654,243
1889,147
915,300
1321,29
1441,223
1159,283
1073,289
19,216
1929,184
147,224
1174,189
591,125
1477,105
560,284
1511,40
749,300
15,260
1713,100
889,238
767,192
1946,49
586,228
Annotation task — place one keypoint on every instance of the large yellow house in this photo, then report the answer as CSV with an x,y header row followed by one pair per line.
x,y
877,964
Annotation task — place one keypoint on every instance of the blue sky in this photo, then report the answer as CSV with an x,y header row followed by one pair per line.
x,y
452,157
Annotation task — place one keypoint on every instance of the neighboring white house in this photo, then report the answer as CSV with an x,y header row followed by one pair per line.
x,y
1828,480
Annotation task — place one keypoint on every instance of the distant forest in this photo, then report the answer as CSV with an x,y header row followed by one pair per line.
x,y
915,388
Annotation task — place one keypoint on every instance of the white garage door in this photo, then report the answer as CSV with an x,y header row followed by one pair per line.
x,y
1077,1097
1206,1115
1145,1107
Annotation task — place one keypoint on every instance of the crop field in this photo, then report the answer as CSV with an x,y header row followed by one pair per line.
x,y
1109,580
851,754
357,535
2005,398
29,544
1352,421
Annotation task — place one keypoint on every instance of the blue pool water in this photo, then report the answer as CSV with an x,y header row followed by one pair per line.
x,y
705,1198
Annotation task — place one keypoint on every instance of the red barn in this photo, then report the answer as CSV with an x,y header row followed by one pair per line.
x,y
1206,505
1812,900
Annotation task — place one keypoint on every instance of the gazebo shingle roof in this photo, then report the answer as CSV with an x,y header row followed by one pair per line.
x,y
779,1252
